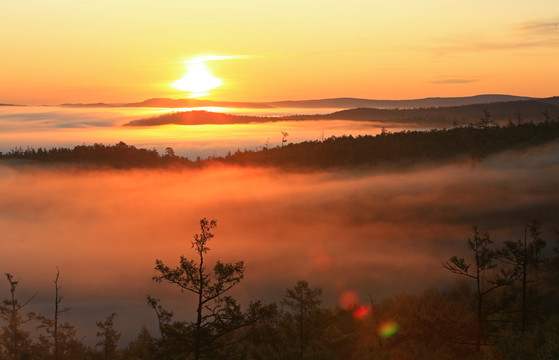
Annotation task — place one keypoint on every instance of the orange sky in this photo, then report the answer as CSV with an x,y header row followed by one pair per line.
x,y
121,50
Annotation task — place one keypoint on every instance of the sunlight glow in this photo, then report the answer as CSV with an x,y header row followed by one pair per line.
x,y
198,108
198,79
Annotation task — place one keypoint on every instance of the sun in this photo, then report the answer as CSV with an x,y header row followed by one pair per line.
x,y
198,79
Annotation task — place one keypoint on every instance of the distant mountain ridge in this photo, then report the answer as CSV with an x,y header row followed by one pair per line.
x,y
398,104
343,103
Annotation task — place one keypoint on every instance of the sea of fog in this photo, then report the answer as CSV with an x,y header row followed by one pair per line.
x,y
48,126
374,233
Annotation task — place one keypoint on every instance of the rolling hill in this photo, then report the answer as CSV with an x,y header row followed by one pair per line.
x,y
498,113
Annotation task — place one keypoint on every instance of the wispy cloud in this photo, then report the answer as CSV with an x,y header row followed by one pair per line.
x,y
541,33
459,46
541,27
454,81
205,58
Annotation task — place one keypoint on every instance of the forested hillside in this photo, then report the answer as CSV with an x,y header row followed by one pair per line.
x,y
397,149
401,148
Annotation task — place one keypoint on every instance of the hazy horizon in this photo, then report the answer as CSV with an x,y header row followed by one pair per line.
x,y
48,127
268,101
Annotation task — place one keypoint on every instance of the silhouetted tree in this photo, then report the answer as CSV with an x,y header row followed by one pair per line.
x,y
169,152
69,346
483,263
141,348
13,338
525,257
485,120
217,315
60,337
164,317
304,319
57,312
108,336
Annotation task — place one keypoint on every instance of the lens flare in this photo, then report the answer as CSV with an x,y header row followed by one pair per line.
x,y
387,328
349,300
361,311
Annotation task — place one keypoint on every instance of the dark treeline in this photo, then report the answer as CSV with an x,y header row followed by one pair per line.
x,y
402,148
386,149
120,155
503,307
502,113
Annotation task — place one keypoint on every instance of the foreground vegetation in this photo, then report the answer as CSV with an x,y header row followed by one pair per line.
x,y
404,148
504,308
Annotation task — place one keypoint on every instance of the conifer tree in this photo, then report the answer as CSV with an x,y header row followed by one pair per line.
x,y
13,338
485,281
108,337
217,315
303,317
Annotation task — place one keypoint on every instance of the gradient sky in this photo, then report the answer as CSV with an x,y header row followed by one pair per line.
x,y
122,50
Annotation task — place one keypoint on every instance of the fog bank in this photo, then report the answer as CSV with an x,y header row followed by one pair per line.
x,y
374,233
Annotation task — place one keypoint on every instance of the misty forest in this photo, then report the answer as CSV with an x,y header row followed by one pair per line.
x,y
434,244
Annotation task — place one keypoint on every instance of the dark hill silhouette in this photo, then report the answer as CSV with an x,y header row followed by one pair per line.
x,y
196,117
501,113
551,100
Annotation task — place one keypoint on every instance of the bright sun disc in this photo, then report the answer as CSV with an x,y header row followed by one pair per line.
x,y
198,80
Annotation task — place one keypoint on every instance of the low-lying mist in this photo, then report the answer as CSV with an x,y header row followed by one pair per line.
x,y
49,127
375,233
